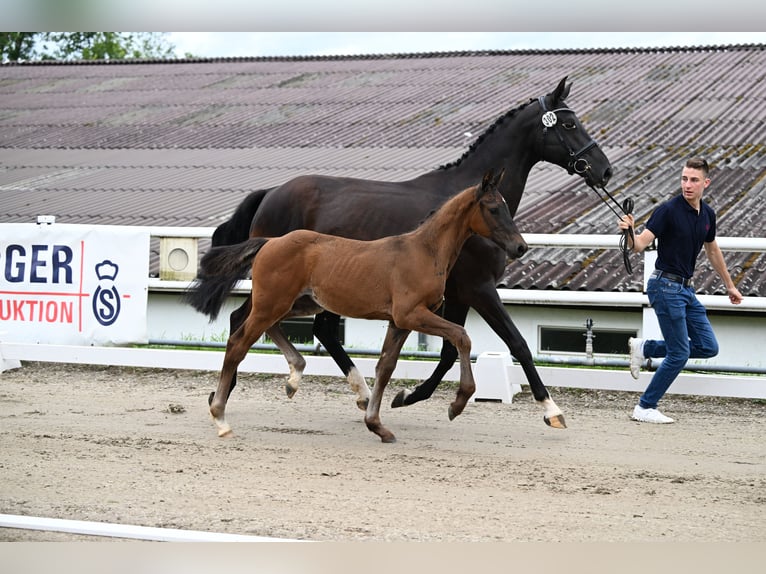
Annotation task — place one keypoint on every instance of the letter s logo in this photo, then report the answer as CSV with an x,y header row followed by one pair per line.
x,y
106,305
106,299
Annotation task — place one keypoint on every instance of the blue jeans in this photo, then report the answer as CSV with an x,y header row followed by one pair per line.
x,y
686,331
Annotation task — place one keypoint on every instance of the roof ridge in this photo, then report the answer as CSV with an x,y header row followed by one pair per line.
x,y
403,56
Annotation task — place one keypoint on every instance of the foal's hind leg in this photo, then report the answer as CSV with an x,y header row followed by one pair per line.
x,y
236,319
238,345
389,354
295,360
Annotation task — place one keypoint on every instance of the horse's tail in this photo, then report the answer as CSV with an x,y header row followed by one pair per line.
x,y
237,228
220,269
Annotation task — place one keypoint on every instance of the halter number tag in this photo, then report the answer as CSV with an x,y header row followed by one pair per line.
x,y
549,119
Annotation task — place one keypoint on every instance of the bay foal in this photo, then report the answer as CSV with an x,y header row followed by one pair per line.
x,y
400,279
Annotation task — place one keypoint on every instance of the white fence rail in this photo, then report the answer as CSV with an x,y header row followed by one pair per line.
x,y
11,353
125,531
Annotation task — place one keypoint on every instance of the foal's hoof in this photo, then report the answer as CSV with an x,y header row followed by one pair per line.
x,y
399,399
556,421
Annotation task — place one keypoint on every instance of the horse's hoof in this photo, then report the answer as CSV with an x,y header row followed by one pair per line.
x,y
388,439
362,404
556,422
225,433
210,398
450,413
399,399
290,391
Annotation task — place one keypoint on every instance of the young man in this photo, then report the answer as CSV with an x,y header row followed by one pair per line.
x,y
682,226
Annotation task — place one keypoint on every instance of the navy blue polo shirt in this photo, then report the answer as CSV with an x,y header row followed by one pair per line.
x,y
681,232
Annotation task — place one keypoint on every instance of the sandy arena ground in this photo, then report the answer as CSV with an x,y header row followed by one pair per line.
x,y
137,446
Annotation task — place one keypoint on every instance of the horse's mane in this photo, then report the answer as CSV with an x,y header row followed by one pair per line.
x,y
488,131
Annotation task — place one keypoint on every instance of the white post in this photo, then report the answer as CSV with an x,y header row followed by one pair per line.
x,y
493,378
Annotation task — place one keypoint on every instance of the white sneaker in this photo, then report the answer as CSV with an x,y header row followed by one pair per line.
x,y
650,416
636,350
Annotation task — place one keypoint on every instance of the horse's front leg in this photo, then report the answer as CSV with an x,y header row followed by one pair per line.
x,y
389,354
487,303
327,329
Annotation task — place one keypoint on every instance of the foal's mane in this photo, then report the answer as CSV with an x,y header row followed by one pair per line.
x,y
483,136
435,209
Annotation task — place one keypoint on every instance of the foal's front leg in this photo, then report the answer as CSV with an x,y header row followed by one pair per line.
x,y
430,323
455,313
389,354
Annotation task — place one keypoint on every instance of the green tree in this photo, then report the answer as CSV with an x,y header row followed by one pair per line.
x,y
15,46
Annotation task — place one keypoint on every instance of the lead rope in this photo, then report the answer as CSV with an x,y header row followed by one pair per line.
x,y
627,235
550,120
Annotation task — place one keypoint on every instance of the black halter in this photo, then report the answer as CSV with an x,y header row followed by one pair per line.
x,y
579,165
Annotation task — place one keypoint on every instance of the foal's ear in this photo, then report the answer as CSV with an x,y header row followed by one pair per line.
x,y
489,183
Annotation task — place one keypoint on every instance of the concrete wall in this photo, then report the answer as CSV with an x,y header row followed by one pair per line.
x,y
742,336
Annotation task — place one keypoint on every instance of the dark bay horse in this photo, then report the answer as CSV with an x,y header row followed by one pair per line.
x,y
399,278
542,129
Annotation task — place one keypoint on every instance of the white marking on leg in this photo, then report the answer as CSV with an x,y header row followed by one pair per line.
x,y
223,427
359,386
550,409
294,380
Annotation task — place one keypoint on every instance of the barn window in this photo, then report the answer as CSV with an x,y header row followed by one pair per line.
x,y
572,340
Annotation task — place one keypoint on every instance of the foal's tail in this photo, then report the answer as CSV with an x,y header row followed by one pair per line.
x,y
220,269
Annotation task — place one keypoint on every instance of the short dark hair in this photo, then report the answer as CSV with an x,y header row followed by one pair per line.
x,y
698,163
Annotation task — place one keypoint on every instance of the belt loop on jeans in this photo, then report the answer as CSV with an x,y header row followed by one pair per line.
x,y
657,274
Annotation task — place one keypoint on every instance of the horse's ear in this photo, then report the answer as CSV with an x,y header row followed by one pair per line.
x,y
562,90
497,179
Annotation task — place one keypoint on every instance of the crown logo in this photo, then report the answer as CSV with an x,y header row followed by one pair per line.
x,y
106,270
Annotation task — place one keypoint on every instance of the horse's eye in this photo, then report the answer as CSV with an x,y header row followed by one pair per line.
x,y
569,125
494,210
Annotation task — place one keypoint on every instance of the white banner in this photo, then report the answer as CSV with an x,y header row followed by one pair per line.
x,y
73,284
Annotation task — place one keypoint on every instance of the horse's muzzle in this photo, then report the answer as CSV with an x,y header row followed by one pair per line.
x,y
592,178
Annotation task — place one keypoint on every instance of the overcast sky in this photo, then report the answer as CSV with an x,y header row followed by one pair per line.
x,y
253,44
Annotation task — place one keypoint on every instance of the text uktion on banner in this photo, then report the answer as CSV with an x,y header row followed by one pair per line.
x,y
73,284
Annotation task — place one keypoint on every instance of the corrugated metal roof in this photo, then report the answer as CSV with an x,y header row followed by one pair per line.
x,y
182,142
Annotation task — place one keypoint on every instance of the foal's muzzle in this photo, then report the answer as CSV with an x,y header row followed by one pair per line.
x,y
516,249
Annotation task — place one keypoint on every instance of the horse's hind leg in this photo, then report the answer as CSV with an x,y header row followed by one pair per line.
x,y
326,329
389,354
295,360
